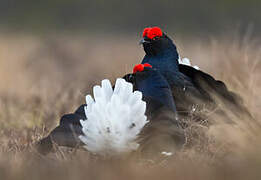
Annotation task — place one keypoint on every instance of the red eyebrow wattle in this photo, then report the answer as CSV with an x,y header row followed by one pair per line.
x,y
145,31
152,32
147,65
140,67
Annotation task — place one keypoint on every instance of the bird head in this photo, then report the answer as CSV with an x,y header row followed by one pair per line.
x,y
154,87
154,41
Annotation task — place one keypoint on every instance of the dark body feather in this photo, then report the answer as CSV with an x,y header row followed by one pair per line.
x,y
191,88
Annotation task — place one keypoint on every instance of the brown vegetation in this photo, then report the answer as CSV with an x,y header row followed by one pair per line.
x,y
44,77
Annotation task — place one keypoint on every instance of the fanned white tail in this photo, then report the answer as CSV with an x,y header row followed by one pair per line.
x,y
114,118
186,61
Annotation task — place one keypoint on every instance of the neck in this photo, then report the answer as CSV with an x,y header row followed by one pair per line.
x,y
163,55
156,92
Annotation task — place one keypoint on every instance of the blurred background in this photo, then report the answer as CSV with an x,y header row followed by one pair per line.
x,y
114,16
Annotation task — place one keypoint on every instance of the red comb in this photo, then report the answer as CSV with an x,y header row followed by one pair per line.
x,y
152,32
145,31
140,67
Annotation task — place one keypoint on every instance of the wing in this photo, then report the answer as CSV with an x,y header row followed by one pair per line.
x,y
66,134
212,88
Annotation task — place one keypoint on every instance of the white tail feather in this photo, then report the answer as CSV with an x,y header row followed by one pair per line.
x,y
114,118
186,61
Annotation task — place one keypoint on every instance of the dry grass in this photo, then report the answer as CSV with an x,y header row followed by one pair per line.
x,y
45,77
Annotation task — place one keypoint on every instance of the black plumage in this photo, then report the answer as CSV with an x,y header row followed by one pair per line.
x,y
190,87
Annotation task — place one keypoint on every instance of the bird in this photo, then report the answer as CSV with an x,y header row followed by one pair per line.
x,y
136,114
164,135
191,86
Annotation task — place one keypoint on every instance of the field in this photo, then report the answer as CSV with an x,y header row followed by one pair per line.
x,y
44,77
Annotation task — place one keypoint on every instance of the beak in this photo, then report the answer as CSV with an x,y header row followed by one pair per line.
x,y
142,41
